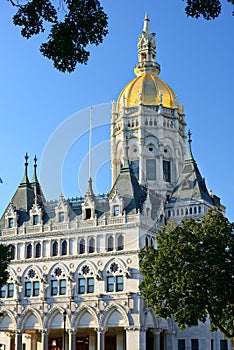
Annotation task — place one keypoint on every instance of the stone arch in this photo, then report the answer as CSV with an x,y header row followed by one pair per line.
x,y
28,319
88,262
150,319
85,316
7,321
116,260
115,315
54,318
34,267
59,264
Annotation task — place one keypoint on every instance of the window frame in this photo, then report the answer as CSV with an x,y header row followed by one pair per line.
x,y
151,168
167,170
10,290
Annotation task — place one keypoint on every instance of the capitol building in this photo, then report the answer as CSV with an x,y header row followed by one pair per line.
x,y
74,278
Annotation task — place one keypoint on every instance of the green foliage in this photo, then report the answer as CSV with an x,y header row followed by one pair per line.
x,y
209,9
191,274
83,23
4,261
75,24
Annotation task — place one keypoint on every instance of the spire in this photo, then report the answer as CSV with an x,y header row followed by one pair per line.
x,y
147,51
189,149
89,192
25,178
36,185
146,27
34,178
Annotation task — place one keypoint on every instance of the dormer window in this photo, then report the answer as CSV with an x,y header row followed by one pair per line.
x,y
35,219
116,210
11,222
61,216
87,213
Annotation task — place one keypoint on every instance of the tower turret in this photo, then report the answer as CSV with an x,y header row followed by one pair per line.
x,y
148,127
146,49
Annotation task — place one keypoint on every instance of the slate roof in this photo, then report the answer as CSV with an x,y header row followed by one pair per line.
x,y
127,187
190,185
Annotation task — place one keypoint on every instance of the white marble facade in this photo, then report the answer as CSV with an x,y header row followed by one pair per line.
x,y
74,273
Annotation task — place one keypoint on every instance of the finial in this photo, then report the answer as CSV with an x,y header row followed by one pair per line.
x,y
189,136
189,150
34,178
146,27
26,159
25,178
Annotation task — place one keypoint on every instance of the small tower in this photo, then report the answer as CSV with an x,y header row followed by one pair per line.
x,y
148,126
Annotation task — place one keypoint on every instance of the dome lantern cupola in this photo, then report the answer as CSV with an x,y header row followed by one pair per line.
x,y
146,51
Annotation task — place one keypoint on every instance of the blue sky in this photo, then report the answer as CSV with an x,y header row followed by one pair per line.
x,y
37,102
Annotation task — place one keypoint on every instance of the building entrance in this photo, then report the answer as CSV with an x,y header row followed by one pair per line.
x,y
110,342
55,343
82,343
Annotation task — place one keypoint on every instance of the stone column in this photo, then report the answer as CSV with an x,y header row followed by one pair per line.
x,y
92,342
120,341
156,339
169,340
100,338
18,340
72,339
136,336
44,339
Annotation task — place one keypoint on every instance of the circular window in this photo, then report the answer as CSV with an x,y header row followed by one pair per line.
x,y
58,272
151,149
114,267
31,273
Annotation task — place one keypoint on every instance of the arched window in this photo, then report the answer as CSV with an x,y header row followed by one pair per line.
x,y
82,246
29,251
55,248
91,245
110,244
120,243
13,252
85,280
64,248
191,210
38,250
199,209
169,213
114,278
58,282
195,210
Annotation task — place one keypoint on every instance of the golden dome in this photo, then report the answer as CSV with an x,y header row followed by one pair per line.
x,y
148,88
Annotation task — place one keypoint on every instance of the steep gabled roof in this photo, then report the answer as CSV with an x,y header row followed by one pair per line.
x,y
190,185
24,197
127,187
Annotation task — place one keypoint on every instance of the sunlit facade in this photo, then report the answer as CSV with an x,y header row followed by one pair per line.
x,y
74,274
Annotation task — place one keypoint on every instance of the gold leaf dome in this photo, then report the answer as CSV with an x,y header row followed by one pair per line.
x,y
148,89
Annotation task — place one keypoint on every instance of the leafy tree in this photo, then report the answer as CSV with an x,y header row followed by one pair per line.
x,y
75,24
4,261
191,273
209,9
